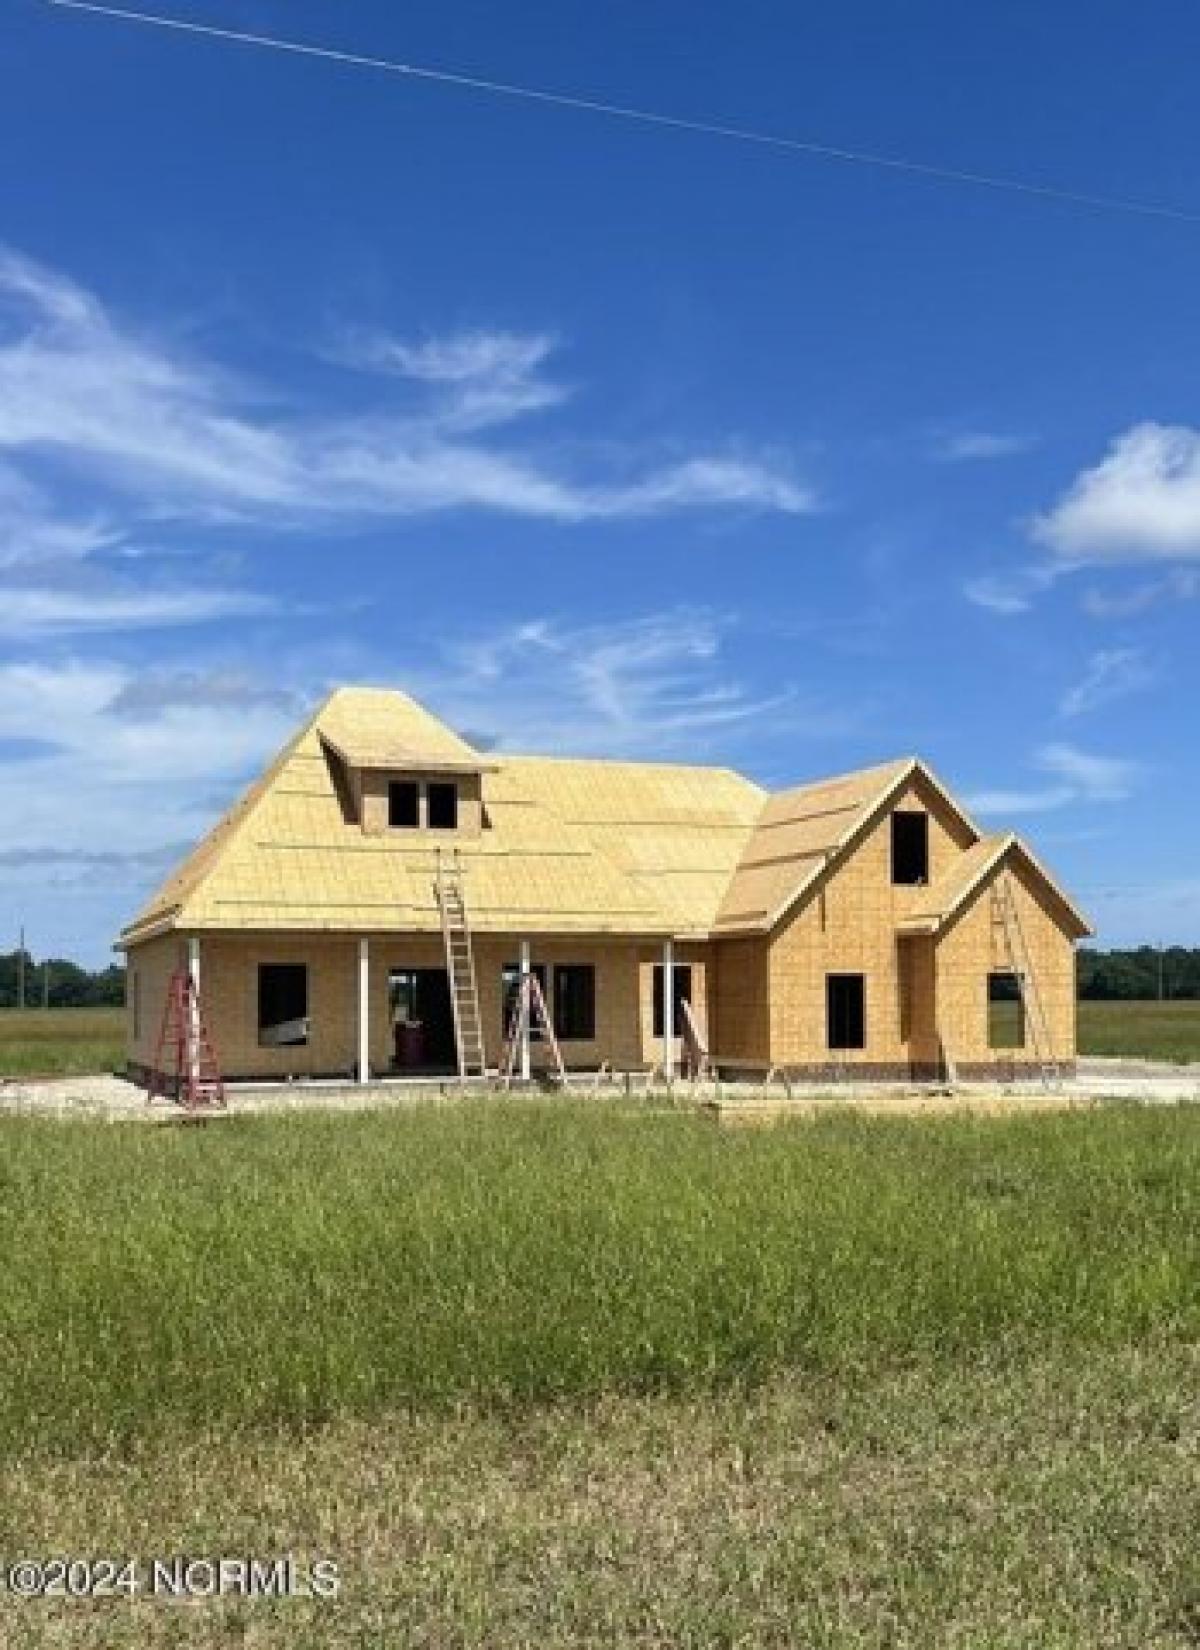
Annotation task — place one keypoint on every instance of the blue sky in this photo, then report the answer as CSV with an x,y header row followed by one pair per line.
x,y
600,437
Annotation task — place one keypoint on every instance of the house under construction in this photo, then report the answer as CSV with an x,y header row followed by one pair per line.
x,y
373,903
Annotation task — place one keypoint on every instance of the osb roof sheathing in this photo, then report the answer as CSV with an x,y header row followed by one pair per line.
x,y
798,834
372,728
569,846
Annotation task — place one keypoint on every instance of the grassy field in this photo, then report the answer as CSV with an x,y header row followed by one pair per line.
x,y
292,1269
65,1042
574,1374
994,1504
1152,1031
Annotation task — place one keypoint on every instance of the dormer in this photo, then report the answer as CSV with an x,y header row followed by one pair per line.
x,y
403,773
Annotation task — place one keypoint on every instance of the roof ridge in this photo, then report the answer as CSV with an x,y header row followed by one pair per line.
x,y
503,756
893,764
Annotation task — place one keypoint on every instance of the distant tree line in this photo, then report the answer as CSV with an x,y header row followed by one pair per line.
x,y
1143,973
59,983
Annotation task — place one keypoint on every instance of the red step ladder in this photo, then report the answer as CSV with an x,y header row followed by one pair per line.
x,y
185,1065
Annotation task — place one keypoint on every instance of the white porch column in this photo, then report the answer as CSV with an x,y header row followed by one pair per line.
x,y
364,1011
525,965
668,968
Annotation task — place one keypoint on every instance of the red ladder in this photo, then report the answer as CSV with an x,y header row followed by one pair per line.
x,y
185,1066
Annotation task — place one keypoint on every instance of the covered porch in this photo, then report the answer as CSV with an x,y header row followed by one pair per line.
x,y
378,1006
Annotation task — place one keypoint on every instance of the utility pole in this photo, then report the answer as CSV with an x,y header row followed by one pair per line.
x,y
46,983
21,969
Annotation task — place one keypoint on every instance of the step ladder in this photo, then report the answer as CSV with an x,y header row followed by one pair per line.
x,y
1007,919
529,1009
460,965
696,1056
185,1069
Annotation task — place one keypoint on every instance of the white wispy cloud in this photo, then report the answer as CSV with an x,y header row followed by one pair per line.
x,y
73,384
480,378
651,686
28,613
1112,673
1093,778
968,446
84,708
1007,597
1073,776
468,357
1013,592
32,532
1181,584
180,435
102,778
1140,503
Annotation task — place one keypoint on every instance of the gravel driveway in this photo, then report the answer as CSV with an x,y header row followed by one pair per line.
x,y
115,1100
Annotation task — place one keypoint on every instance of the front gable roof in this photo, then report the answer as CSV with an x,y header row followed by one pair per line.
x,y
804,833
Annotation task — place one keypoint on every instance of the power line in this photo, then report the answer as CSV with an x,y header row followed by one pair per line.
x,y
646,117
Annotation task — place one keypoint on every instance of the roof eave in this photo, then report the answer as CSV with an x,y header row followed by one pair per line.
x,y
1083,925
162,922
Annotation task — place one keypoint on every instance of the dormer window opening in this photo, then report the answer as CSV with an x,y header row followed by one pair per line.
x,y
404,804
442,805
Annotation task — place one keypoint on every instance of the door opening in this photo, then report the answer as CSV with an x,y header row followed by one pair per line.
x,y
422,1020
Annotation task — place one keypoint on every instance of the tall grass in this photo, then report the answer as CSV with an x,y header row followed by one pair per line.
x,y
67,1042
1149,1031
289,1269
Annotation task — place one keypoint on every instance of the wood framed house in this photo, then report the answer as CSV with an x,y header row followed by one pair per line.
x,y
861,925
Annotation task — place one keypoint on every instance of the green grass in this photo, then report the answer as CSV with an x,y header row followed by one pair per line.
x,y
67,1042
1151,1031
291,1270
588,1374
1047,1503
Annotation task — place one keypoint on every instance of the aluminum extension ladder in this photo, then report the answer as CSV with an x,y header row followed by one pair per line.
x,y
460,965
1006,915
